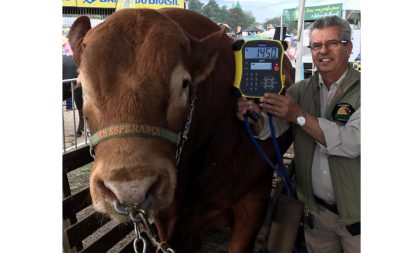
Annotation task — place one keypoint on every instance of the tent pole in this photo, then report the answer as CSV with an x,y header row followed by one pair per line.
x,y
301,19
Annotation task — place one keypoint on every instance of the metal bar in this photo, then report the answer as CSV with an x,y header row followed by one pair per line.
x,y
85,129
299,65
64,134
70,80
74,114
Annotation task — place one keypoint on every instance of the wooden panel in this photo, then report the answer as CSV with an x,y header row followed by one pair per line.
x,y
76,159
76,202
127,247
84,228
108,240
66,185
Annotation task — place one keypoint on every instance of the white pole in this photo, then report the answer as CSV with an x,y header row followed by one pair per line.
x,y
301,20
281,27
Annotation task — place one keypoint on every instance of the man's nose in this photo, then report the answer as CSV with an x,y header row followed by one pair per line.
x,y
324,49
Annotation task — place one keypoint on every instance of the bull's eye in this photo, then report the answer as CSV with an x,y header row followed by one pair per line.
x,y
185,83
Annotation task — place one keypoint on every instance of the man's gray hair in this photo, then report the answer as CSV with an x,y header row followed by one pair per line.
x,y
329,21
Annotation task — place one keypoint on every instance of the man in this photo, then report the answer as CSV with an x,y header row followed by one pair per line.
x,y
324,113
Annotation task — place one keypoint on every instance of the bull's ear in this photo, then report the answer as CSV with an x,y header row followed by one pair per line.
x,y
77,32
205,53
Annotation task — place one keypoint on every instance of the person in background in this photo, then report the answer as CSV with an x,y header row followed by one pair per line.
x,y
291,51
324,114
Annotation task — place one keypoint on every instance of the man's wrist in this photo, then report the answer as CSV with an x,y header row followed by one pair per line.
x,y
301,119
258,126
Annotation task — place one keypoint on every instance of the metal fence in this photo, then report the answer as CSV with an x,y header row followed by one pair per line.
x,y
70,120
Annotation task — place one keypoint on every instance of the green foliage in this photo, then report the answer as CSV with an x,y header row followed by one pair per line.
x,y
211,10
195,5
291,26
274,21
87,168
233,17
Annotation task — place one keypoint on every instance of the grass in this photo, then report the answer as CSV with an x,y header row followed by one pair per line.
x,y
79,178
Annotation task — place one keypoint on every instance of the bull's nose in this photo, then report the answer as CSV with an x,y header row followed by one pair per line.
x,y
132,192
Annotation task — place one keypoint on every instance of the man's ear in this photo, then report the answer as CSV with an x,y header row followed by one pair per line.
x,y
77,32
205,53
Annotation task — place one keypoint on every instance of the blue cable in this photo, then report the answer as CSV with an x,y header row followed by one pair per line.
x,y
285,177
264,155
280,156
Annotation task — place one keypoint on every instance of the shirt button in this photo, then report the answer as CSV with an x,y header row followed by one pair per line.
x,y
324,172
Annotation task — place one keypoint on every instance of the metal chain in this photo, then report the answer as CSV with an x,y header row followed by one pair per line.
x,y
144,232
184,135
142,228
88,134
136,214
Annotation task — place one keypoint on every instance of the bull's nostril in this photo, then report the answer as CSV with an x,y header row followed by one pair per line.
x,y
131,193
120,209
107,193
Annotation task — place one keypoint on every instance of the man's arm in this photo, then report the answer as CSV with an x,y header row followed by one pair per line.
x,y
335,139
342,140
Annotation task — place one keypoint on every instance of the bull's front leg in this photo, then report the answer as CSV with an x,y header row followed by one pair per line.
x,y
248,217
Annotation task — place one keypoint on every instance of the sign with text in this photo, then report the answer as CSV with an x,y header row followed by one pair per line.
x,y
314,12
120,4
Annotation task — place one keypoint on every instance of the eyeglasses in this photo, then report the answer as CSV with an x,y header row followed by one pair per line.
x,y
330,44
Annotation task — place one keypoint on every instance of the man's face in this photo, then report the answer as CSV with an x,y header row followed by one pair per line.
x,y
332,60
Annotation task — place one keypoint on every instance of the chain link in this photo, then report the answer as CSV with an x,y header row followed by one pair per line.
x,y
184,135
145,233
142,228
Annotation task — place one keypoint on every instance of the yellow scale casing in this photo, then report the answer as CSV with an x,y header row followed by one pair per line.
x,y
258,67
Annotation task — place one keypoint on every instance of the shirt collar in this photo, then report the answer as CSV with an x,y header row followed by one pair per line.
x,y
338,82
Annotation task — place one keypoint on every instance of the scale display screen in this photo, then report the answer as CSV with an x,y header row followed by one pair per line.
x,y
261,65
258,67
261,53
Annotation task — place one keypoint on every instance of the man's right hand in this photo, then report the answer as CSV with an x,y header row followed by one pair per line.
x,y
246,105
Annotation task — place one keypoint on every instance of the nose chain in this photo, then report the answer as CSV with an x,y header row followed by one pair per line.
x,y
145,233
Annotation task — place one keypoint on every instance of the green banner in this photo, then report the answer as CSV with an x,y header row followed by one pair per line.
x,y
313,12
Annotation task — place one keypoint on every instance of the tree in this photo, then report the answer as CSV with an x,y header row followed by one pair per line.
x,y
249,19
211,10
233,17
224,14
195,5
274,21
239,18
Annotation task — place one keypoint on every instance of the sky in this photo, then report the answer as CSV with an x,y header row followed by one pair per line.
x,y
266,9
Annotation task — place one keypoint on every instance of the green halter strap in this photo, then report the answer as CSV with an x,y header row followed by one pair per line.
x,y
132,130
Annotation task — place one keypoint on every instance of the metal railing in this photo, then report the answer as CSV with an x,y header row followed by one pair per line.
x,y
70,139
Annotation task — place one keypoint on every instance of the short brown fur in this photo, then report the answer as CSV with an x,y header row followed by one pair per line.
x,y
221,180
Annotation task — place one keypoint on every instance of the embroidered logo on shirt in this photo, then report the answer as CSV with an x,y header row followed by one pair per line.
x,y
342,112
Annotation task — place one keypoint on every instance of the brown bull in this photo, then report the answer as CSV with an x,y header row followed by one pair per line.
x,y
141,66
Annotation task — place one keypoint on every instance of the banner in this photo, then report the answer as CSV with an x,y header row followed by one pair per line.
x,y
314,12
121,4
69,3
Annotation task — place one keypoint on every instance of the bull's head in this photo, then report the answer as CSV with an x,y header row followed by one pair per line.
x,y
137,67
